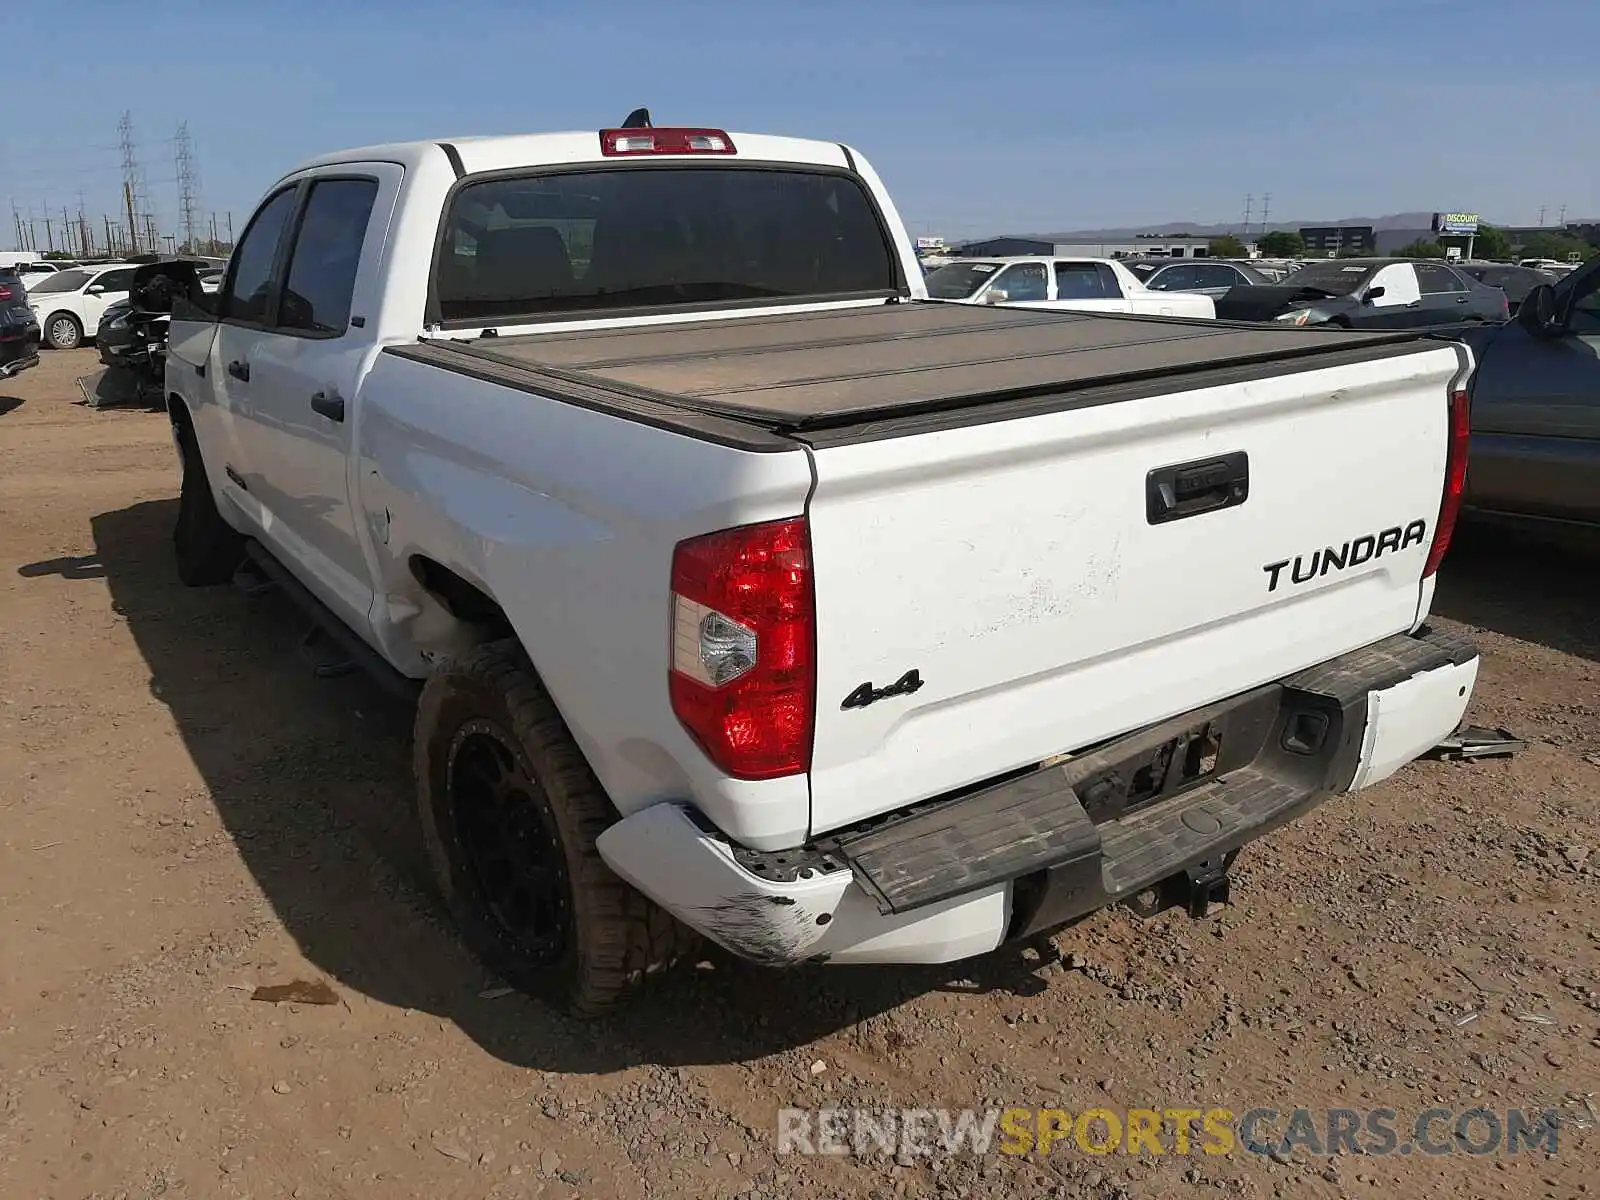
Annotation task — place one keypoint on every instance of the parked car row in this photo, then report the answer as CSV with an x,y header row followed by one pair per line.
x,y
1078,284
70,302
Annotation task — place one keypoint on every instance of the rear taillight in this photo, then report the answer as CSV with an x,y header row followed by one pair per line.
x,y
5,292
624,142
743,678
1455,479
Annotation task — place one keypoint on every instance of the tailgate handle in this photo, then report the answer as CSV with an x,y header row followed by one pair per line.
x,y
1191,488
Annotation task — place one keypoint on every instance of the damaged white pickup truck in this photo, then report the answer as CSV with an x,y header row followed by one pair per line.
x,y
749,592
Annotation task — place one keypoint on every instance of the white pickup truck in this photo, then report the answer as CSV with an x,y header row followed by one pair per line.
x,y
749,592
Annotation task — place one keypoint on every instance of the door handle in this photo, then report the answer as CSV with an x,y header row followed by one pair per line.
x,y
328,405
1461,299
240,370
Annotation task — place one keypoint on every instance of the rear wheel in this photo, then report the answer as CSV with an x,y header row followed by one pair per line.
x,y
63,332
207,548
510,812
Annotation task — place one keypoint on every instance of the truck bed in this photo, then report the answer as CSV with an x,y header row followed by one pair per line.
x,y
809,371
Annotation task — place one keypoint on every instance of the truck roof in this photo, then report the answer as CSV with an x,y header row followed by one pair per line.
x,y
791,372
509,151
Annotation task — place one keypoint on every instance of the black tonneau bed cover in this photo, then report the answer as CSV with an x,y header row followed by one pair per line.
x,y
802,371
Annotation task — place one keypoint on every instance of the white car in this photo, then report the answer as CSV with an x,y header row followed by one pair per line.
x,y
742,588
69,304
1078,284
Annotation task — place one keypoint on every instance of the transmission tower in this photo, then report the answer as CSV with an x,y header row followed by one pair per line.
x,y
1266,208
1249,206
133,186
188,189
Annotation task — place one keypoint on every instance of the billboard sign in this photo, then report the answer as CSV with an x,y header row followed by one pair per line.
x,y
1455,222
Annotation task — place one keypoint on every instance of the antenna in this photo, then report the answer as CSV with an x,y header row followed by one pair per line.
x,y
639,118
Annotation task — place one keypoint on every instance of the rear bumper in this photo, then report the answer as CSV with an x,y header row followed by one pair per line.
x,y
958,876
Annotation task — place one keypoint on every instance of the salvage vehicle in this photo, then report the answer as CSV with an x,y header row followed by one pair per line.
x,y
1516,282
747,593
69,303
132,334
1536,411
1073,284
1369,293
19,331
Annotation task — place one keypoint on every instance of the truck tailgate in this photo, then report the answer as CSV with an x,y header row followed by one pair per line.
x,y
1035,576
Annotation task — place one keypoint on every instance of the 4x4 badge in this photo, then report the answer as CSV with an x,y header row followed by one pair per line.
x,y
866,694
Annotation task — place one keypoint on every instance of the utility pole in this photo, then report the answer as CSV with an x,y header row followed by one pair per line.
x,y
1541,216
66,233
111,246
1562,220
133,226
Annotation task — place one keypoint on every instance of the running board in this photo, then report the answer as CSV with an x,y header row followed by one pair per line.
x,y
355,650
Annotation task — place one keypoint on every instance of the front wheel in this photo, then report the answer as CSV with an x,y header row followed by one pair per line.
x,y
63,332
207,548
510,812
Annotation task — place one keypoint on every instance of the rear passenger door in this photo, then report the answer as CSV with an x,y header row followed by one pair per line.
x,y
1087,287
302,367
1444,297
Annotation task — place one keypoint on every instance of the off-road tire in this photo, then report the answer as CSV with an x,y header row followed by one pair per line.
x,y
63,331
208,550
615,936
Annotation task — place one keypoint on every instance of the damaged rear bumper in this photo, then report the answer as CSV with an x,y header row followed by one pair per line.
x,y
958,876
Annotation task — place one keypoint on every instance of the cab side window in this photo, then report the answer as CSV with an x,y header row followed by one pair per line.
x,y
321,280
247,295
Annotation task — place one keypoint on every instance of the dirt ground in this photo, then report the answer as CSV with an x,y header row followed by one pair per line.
x,y
187,812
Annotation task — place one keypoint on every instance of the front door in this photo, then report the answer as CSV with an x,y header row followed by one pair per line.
x,y
304,369
1393,300
104,290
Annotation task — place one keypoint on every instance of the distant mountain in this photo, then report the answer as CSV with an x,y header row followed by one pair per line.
x,y
1408,220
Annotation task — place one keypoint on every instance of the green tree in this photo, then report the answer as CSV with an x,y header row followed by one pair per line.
x,y
1282,243
1558,246
1420,250
1228,246
1491,243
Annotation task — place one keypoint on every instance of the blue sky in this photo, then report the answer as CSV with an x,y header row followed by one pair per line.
x,y
1005,116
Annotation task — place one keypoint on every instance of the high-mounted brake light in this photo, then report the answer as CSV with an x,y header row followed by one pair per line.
x,y
743,677
625,142
1455,479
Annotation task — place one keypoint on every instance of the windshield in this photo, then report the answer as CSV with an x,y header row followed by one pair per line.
x,y
61,281
959,281
658,236
1335,278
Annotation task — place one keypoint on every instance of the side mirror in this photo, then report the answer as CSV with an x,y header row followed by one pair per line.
x,y
1537,312
1376,293
94,289
996,296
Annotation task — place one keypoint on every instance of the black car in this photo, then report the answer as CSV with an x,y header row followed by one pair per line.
x,y
19,328
1209,276
1369,293
1516,282
1535,459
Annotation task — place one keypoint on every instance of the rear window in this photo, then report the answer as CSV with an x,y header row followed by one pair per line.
x,y
656,237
